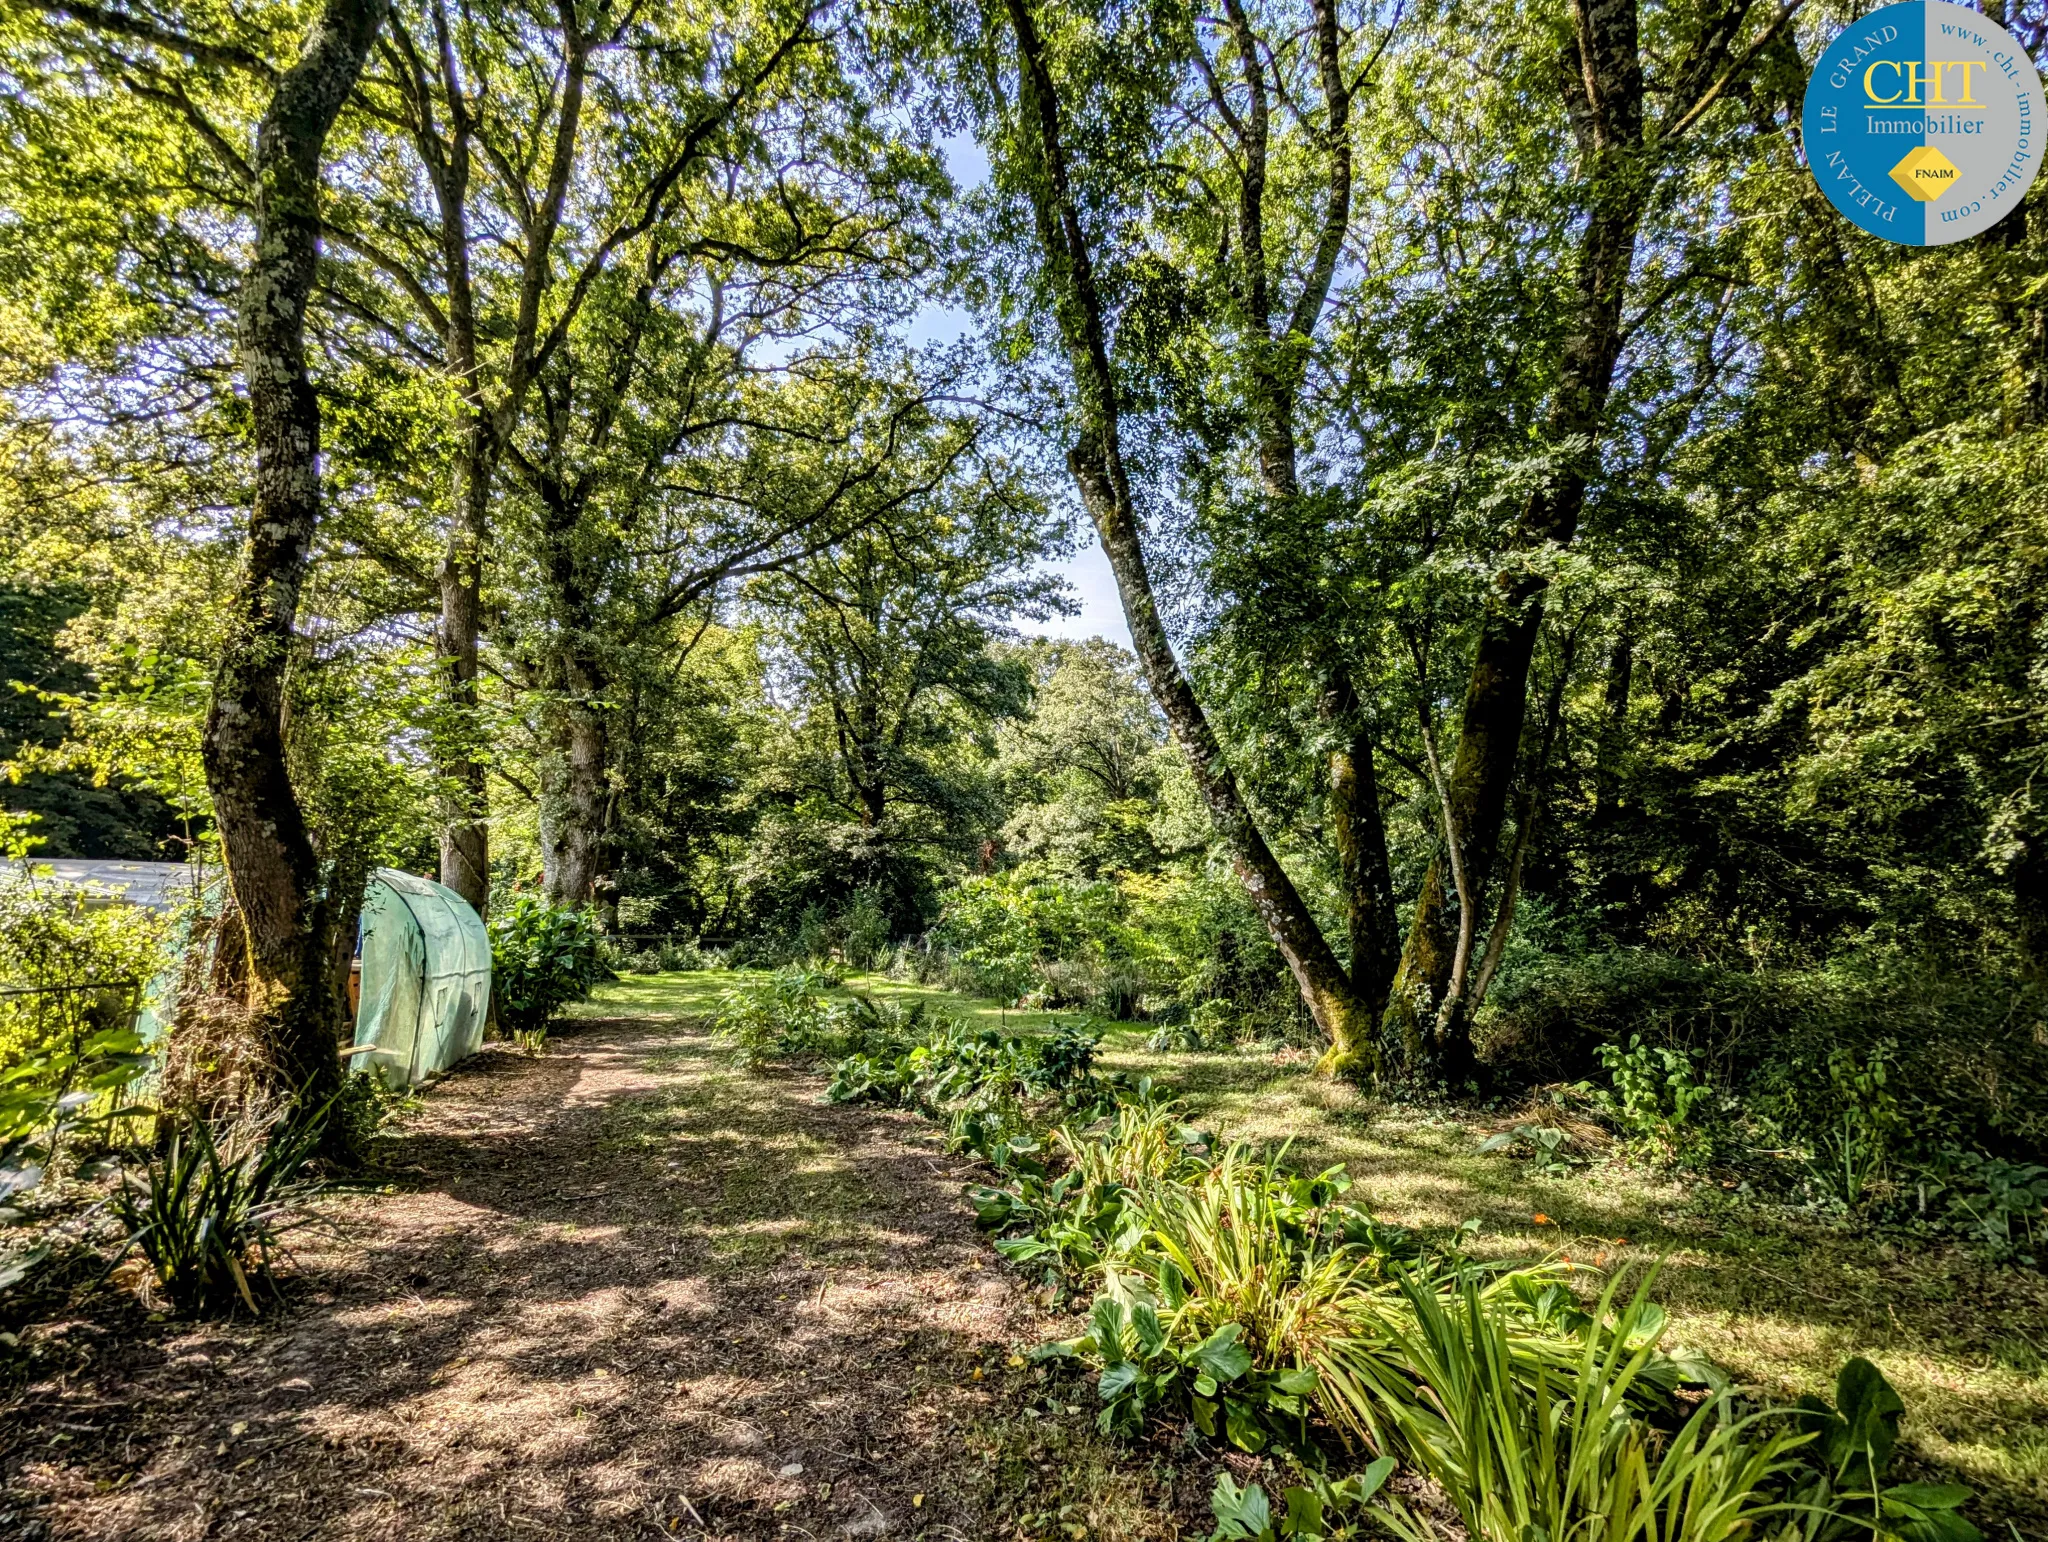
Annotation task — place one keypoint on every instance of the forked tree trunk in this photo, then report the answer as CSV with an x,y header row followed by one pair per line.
x,y
289,917
1603,83
1097,462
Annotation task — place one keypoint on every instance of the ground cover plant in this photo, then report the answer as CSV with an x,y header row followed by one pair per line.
x,y
1263,1311
1782,1296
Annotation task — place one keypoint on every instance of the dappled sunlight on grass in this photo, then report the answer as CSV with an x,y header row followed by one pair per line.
x,y
1780,1298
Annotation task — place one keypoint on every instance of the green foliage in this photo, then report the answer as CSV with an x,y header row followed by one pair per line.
x,y
208,1211
1854,1154
1144,1371
1313,1510
780,1015
1658,1099
1175,1039
85,805
1563,1452
1545,1148
69,968
543,956
993,1091
2000,1206
1889,1096
1845,1494
71,982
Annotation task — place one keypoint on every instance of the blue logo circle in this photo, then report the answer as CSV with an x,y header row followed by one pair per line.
x,y
1924,123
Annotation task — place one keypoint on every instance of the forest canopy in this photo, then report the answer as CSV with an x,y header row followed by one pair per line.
x,y
1575,580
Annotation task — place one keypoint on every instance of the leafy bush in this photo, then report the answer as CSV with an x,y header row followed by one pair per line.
x,y
684,956
1565,1453
1174,1039
2000,1206
543,956
1312,1511
864,932
1063,941
1144,1369
780,1015
1963,1056
208,1212
1658,1100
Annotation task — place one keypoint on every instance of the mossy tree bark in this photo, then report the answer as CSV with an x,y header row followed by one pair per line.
x,y
289,915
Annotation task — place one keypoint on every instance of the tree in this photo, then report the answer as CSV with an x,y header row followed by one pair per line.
x,y
1083,767
290,921
886,647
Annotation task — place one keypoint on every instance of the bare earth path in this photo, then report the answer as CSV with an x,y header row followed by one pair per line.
x,y
620,1291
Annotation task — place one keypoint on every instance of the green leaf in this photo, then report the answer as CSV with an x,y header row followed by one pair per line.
x,y
1240,1512
1928,1496
1221,1355
992,1207
1151,1333
1361,1486
1870,1412
1935,1526
1304,1513
1117,1380
1107,1315
1241,1425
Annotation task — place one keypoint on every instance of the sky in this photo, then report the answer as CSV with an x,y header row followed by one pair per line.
x,y
1087,571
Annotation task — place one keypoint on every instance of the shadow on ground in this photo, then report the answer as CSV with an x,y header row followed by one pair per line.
x,y
619,1291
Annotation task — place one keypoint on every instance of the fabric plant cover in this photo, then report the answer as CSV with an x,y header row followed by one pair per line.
x,y
426,979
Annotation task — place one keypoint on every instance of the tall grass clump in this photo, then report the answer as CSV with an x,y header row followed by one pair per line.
x,y
208,1211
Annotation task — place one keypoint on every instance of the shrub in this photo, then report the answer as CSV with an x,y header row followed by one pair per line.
x,y
1658,1100
1565,1453
780,1015
208,1212
864,932
1966,1058
991,1089
683,956
543,956
1174,1039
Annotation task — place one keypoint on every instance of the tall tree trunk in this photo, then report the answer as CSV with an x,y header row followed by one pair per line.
x,y
1097,462
465,844
573,855
290,918
1277,370
1358,829
1603,86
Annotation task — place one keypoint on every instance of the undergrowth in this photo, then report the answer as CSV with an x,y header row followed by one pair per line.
x,y
1252,1306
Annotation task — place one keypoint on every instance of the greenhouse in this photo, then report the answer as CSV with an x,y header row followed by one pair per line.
x,y
425,979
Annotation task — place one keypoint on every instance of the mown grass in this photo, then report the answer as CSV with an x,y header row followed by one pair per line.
x,y
1780,1298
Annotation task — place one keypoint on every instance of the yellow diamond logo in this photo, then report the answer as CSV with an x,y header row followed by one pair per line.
x,y
1925,173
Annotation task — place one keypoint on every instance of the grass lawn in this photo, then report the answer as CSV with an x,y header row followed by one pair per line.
x,y
1778,1297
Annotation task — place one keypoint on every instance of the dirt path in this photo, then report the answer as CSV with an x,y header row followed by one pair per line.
x,y
620,1291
